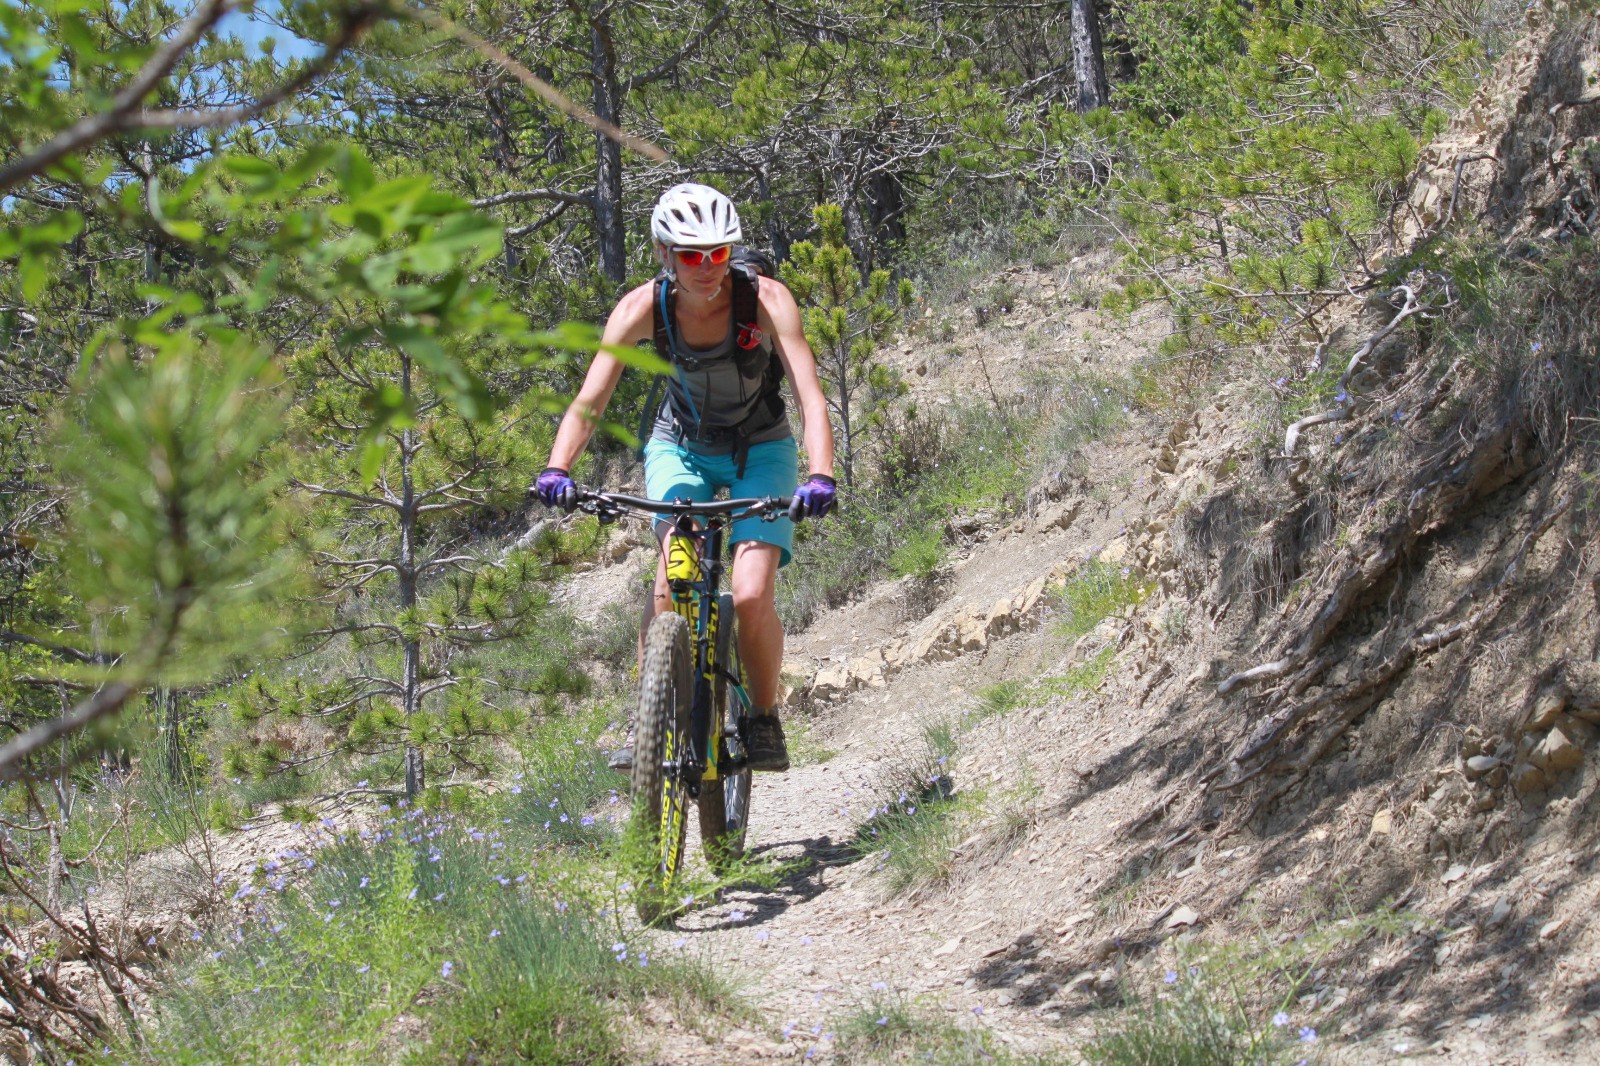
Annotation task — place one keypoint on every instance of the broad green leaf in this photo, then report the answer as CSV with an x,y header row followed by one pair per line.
x,y
583,338
353,171
249,166
471,400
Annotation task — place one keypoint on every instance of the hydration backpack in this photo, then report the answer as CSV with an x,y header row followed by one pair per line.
x,y
746,267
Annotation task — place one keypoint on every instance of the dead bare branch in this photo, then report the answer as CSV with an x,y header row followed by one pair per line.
x,y
543,89
1411,305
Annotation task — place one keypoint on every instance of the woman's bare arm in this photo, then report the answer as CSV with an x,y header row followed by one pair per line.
x,y
630,323
779,316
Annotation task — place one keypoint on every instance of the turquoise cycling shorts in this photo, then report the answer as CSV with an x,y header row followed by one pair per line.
x,y
673,472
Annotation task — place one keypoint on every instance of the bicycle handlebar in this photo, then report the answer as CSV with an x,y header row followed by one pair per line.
x,y
760,507
601,503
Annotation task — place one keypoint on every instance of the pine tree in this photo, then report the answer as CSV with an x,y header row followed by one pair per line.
x,y
406,592
846,320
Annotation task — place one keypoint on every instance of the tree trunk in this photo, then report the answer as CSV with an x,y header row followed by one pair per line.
x,y
1088,57
855,234
845,180
58,866
62,786
167,701
410,685
777,233
843,386
607,104
886,207
152,251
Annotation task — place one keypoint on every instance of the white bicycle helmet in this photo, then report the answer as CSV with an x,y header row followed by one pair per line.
x,y
695,216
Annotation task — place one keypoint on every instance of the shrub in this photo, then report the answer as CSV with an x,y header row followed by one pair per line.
x,y
960,463
888,1027
1002,697
806,748
564,778
918,820
920,554
1240,1001
1096,592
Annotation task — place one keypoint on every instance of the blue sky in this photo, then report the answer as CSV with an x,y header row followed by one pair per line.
x,y
252,27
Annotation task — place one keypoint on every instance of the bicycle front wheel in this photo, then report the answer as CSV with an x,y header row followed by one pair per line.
x,y
725,802
661,742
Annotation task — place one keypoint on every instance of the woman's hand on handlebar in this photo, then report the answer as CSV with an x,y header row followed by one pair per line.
x,y
814,498
555,488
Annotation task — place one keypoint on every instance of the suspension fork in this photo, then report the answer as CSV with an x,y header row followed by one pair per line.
x,y
706,732
694,583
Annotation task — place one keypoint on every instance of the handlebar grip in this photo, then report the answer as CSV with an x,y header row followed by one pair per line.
x,y
797,509
568,499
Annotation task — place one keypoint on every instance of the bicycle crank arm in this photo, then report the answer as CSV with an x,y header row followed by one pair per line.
x,y
688,773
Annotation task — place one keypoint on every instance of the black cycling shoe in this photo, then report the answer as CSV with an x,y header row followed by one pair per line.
x,y
621,760
767,750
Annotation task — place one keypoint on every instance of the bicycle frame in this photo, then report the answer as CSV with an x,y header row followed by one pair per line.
x,y
694,578
695,569
689,689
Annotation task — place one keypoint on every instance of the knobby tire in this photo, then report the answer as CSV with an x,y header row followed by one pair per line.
x,y
661,729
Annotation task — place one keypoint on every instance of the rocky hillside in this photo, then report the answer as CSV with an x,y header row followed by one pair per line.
x,y
1350,731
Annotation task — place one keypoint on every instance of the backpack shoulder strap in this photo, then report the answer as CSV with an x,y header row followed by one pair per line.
x,y
746,306
663,343
658,309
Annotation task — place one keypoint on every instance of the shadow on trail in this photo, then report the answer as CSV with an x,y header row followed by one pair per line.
x,y
798,879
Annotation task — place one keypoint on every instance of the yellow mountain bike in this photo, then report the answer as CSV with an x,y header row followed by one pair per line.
x,y
691,729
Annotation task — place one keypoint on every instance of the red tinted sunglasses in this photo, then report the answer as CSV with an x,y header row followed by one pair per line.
x,y
693,257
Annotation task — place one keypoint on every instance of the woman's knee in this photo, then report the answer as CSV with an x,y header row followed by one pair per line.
x,y
660,590
753,585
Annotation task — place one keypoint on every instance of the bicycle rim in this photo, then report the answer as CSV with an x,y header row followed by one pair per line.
x,y
661,733
725,802
724,815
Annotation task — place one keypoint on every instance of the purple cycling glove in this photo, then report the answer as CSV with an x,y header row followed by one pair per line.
x,y
814,498
555,489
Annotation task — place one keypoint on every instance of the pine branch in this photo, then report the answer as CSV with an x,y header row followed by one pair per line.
x,y
690,47
570,199
124,114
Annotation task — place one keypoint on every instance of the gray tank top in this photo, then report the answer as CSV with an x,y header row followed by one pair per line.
x,y
707,396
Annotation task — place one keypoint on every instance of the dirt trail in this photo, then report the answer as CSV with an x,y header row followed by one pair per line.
x,y
831,938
